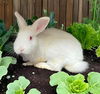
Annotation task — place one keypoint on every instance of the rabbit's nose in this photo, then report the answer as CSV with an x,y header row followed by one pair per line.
x,y
21,50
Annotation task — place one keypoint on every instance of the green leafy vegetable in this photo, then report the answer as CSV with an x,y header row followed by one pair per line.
x,y
84,33
94,82
98,51
4,64
76,84
19,86
69,84
58,78
2,28
5,36
34,91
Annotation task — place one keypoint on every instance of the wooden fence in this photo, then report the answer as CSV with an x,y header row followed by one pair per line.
x,y
66,11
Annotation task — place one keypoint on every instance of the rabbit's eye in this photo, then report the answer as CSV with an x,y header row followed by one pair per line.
x,y
30,37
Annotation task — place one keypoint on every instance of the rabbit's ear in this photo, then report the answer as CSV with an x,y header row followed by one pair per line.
x,y
40,24
20,20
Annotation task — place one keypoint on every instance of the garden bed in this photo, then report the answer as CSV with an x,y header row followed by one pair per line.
x,y
40,77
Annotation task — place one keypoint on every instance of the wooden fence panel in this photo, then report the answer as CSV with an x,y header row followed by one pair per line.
x,y
69,12
75,10
62,11
80,13
66,11
31,7
24,8
38,7
16,4
45,4
56,11
2,9
8,12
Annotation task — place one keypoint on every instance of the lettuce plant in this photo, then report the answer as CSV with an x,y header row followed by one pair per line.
x,y
75,84
19,86
5,36
4,64
85,33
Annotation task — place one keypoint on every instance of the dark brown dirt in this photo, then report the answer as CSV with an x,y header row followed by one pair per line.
x,y
39,78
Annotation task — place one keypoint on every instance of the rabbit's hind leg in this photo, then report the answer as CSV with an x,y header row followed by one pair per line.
x,y
53,65
43,65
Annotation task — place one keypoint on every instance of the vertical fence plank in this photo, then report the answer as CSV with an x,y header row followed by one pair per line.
x,y
38,7
1,9
8,12
50,5
80,11
86,8
24,8
16,7
69,12
75,10
56,11
31,7
45,4
62,11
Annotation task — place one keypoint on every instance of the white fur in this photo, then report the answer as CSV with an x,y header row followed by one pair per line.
x,y
60,49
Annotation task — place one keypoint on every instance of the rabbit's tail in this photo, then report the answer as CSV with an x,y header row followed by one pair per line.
x,y
77,67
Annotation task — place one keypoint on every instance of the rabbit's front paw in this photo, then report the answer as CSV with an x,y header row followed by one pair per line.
x,y
28,64
43,65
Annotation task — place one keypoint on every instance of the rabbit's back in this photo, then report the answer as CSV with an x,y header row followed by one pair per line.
x,y
58,42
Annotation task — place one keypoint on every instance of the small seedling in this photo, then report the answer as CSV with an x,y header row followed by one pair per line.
x,y
19,86
4,64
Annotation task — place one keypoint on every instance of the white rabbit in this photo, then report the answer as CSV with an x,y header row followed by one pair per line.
x,y
51,49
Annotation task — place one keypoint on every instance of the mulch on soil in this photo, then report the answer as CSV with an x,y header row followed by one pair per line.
x,y
39,78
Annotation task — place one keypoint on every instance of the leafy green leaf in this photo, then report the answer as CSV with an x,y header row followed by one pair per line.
x,y
57,78
8,47
94,82
4,64
18,86
98,51
3,71
34,91
0,56
52,22
62,88
77,84
5,37
2,28
23,82
6,61
85,33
